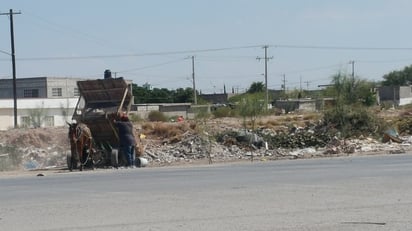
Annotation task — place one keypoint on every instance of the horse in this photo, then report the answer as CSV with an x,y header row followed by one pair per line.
x,y
81,141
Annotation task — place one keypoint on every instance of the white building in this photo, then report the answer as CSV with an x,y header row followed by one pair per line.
x,y
41,101
33,112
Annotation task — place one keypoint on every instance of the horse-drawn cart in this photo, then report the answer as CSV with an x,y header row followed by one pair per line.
x,y
99,101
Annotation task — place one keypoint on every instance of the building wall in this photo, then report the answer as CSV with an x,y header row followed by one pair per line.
x,y
68,87
169,110
293,105
397,95
215,98
52,112
23,85
43,85
405,101
405,92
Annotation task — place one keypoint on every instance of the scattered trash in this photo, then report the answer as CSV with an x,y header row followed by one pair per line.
x,y
391,135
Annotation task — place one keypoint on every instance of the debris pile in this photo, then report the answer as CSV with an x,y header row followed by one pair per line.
x,y
47,148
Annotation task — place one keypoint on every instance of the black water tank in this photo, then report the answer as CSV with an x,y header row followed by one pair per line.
x,y
107,74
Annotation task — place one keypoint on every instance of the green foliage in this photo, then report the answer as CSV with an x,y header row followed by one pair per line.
x,y
223,112
157,116
135,118
404,125
354,121
201,113
251,106
398,78
348,90
352,115
256,87
37,116
143,94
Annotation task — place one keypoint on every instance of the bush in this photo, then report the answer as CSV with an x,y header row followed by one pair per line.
x,y
135,118
355,121
404,125
157,116
223,112
10,161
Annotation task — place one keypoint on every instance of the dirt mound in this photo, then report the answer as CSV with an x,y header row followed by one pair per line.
x,y
35,137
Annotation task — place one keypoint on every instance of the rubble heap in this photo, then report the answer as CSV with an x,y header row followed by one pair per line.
x,y
41,148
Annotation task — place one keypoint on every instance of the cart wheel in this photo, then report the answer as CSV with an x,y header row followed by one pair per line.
x,y
69,161
114,158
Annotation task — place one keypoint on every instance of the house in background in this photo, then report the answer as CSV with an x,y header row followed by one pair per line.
x,y
216,98
395,95
303,105
168,109
41,101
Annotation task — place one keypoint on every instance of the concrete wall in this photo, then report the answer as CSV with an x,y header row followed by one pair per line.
x,y
169,110
57,111
398,95
43,85
298,104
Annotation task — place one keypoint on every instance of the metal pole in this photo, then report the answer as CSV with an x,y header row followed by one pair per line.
x,y
266,78
194,82
13,60
266,75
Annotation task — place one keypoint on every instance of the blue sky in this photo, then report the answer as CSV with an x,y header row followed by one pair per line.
x,y
152,41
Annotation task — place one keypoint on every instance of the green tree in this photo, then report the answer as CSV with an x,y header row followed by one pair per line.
x,y
161,95
351,115
398,78
256,87
251,106
348,90
183,95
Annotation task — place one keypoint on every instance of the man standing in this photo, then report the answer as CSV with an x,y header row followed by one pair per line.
x,y
126,139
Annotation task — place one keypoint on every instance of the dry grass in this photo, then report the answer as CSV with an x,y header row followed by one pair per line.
x,y
287,120
165,129
174,130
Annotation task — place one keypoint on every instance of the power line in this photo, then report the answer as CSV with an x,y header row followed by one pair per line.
x,y
212,50
5,52
137,54
311,69
339,47
150,66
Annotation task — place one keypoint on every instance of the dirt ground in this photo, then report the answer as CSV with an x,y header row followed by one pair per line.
x,y
46,148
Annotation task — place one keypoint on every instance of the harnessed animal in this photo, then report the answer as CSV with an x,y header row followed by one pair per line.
x,y
81,141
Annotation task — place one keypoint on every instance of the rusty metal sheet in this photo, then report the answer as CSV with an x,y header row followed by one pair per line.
x,y
104,93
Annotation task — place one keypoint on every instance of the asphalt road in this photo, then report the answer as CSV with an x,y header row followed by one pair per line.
x,y
350,193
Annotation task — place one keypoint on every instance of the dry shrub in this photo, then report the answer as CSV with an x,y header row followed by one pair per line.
x,y
267,123
165,130
193,125
157,116
311,116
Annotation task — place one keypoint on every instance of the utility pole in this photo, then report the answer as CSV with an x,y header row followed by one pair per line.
x,y
193,79
284,83
353,68
353,73
266,58
307,85
13,61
